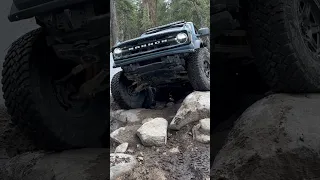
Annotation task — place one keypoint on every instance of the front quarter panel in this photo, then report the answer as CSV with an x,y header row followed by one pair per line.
x,y
197,44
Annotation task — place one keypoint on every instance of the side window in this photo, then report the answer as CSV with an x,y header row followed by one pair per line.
x,y
196,29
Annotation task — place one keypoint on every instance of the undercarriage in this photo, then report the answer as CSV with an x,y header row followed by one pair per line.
x,y
78,35
168,71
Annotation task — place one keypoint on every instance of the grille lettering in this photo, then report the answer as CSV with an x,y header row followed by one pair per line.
x,y
148,44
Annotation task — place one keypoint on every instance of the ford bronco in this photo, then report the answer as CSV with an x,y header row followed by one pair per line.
x,y
170,55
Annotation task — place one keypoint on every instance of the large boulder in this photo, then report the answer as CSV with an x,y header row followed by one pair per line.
x,y
196,106
276,138
84,164
153,132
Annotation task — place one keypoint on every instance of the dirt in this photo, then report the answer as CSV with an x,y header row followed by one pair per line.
x,y
191,162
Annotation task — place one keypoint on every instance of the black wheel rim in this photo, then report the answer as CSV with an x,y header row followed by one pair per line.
x,y
206,69
309,21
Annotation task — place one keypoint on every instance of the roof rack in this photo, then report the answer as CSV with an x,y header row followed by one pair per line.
x,y
165,26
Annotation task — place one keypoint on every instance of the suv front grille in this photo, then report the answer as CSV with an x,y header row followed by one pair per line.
x,y
147,45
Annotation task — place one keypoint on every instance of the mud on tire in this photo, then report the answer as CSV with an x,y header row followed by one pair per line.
x,y
284,59
198,67
126,100
32,104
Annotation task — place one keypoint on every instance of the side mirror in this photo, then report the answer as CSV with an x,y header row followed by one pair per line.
x,y
204,31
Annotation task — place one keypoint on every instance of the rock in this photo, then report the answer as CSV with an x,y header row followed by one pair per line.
x,y
125,134
127,116
199,136
276,138
81,164
120,164
174,150
115,124
116,115
195,106
205,125
140,158
122,148
154,132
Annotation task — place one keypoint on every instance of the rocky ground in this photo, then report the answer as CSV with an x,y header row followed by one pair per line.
x,y
178,151
276,138
169,142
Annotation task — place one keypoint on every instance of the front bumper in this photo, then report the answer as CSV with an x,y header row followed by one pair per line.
x,y
45,8
189,48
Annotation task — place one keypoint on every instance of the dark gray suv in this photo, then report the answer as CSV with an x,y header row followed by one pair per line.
x,y
164,56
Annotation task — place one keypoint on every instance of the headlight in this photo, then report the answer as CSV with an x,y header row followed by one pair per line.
x,y
182,38
117,52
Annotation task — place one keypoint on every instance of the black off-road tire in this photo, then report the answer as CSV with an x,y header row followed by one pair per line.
x,y
277,43
120,94
195,67
33,106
